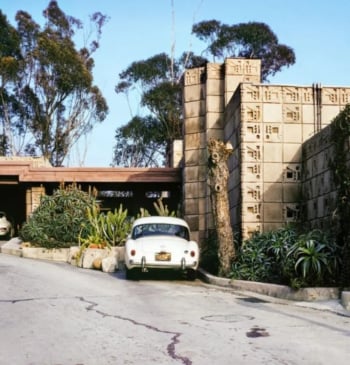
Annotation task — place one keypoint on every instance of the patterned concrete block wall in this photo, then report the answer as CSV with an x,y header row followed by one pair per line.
x,y
206,93
271,133
33,196
176,155
214,122
318,189
238,71
333,101
194,160
267,125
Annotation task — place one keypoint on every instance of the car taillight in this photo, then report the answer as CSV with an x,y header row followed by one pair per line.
x,y
193,253
133,252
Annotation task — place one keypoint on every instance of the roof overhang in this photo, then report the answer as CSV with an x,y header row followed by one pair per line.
x,y
25,172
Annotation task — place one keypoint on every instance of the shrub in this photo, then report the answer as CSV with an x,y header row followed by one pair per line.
x,y
254,261
286,257
57,221
106,229
160,208
317,258
209,259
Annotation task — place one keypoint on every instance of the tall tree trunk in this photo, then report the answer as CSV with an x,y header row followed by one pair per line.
x,y
218,177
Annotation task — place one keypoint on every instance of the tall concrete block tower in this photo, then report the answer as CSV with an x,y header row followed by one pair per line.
x,y
207,91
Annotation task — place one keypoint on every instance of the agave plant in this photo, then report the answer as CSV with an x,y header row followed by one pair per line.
x,y
317,257
311,258
286,257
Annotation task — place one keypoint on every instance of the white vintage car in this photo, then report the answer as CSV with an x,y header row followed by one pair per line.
x,y
6,229
160,243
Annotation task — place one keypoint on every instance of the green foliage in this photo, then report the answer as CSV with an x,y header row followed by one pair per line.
x,y
340,134
317,258
286,257
9,67
143,213
48,93
105,229
159,80
162,209
92,233
140,143
254,261
58,220
145,140
148,72
247,40
9,50
116,226
72,216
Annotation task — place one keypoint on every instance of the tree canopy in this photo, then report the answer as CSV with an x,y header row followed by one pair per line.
x,y
47,96
248,40
139,143
157,80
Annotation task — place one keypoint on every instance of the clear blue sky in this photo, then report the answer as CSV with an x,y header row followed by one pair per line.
x,y
317,30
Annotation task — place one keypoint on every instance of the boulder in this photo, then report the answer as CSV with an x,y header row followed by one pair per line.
x,y
12,247
109,264
73,255
90,255
97,264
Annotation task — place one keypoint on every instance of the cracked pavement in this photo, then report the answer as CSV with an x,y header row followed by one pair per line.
x,y
57,314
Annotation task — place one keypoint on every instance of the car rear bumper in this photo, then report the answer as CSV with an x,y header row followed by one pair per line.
x,y
145,264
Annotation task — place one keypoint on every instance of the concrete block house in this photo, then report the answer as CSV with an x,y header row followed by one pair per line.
x,y
280,163
281,143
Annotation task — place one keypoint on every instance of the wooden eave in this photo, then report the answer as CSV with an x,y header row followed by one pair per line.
x,y
26,173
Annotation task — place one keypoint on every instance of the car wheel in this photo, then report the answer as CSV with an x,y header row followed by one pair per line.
x,y
131,274
191,274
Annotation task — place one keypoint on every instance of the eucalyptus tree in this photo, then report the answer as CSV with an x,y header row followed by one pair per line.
x,y
158,82
139,143
9,66
143,140
51,99
248,40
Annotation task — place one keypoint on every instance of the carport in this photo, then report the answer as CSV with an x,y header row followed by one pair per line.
x,y
24,180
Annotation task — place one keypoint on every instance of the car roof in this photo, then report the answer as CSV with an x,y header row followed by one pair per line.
x,y
160,219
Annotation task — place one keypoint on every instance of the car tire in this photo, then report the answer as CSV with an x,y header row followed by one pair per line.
x,y
191,275
5,237
131,274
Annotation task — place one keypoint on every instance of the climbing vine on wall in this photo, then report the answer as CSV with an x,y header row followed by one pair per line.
x,y
340,137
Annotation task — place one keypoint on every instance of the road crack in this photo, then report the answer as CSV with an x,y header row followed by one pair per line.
x,y
175,339
92,306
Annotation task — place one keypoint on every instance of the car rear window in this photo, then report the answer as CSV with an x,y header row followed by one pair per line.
x,y
143,230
